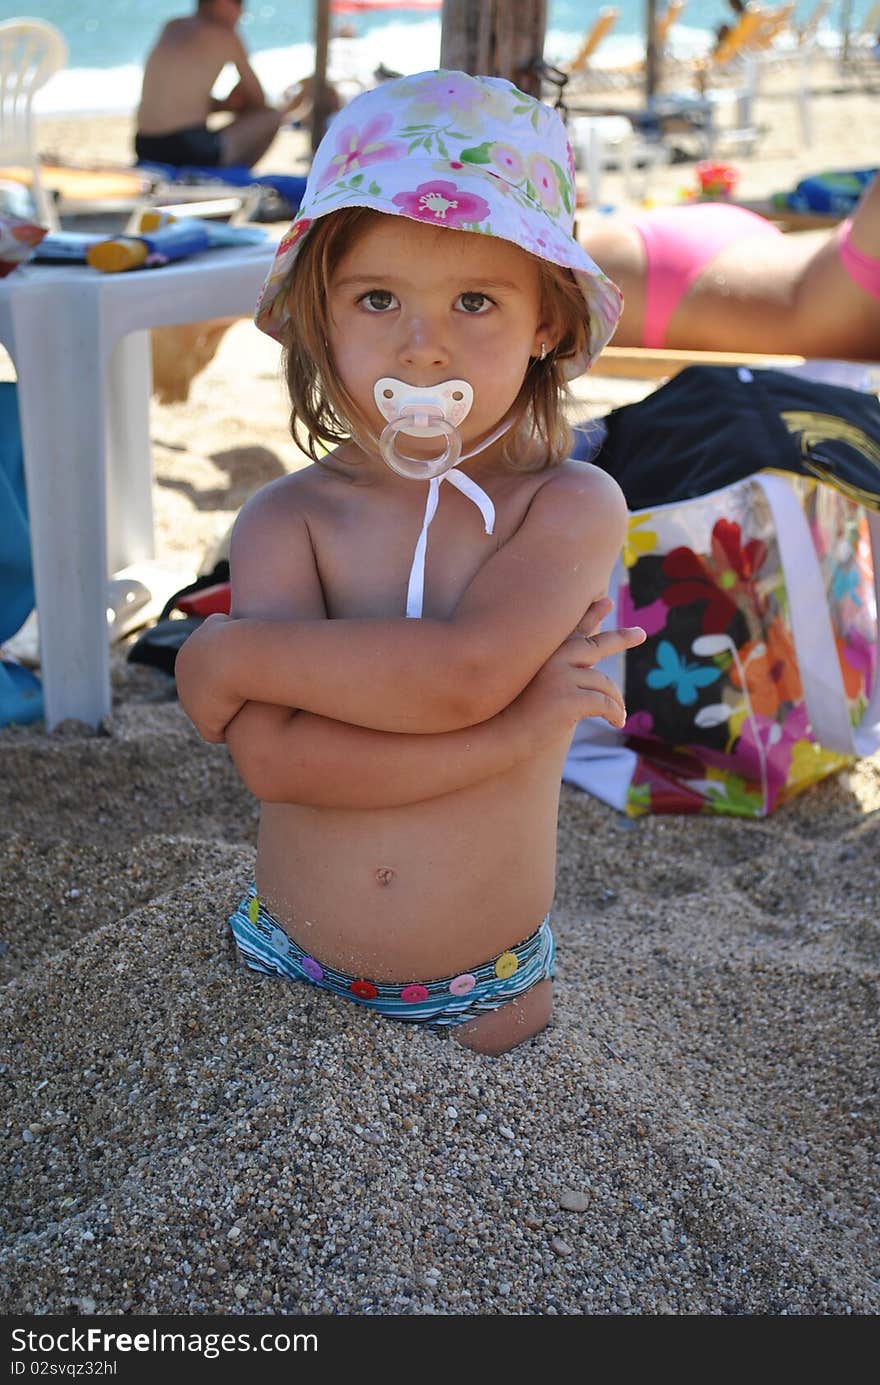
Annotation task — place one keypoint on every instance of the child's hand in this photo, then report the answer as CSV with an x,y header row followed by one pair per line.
x,y
603,643
204,686
569,687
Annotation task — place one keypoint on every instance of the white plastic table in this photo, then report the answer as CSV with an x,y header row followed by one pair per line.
x,y
81,351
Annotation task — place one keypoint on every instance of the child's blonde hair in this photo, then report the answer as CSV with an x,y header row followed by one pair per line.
x,y
539,434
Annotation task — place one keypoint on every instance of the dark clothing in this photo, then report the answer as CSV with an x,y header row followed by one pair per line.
x,y
712,425
196,145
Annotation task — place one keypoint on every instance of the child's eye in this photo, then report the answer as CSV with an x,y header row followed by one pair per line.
x,y
378,300
475,302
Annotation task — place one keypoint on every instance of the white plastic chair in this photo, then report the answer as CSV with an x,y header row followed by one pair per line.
x,y
603,141
31,51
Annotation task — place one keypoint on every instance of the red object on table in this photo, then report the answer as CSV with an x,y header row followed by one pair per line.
x,y
717,179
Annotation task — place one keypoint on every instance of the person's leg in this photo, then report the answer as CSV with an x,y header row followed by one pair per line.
x,y
246,139
509,1025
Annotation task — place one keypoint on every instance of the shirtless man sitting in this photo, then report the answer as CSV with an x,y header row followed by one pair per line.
x,y
176,98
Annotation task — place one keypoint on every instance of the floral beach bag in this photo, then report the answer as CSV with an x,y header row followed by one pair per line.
x,y
759,598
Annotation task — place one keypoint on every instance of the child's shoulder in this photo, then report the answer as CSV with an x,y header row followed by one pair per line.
x,y
584,477
272,554
582,488
279,502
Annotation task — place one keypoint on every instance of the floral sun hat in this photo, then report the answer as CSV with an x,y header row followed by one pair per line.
x,y
470,153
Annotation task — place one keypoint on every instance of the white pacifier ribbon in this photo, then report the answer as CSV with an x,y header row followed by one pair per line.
x,y
415,592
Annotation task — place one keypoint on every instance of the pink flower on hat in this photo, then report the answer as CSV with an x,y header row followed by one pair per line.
x,y
356,149
533,239
508,159
442,203
546,242
543,176
448,91
296,232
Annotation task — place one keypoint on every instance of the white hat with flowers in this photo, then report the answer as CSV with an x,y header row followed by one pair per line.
x,y
468,153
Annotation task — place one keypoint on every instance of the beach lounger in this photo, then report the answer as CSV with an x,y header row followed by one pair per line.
x,y
85,192
726,79
601,28
647,363
587,77
278,196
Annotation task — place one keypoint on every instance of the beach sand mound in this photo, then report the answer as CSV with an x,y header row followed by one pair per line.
x,y
692,1135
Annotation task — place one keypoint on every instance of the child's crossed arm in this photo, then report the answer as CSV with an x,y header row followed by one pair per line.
x,y
293,756
418,676
298,757
423,676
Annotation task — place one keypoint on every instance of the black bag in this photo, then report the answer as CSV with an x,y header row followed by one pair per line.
x,y
712,425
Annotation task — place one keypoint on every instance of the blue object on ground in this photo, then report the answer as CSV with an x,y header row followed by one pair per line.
x,y
836,193
21,697
16,574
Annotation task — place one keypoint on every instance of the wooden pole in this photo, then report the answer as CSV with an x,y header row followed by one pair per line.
x,y
845,29
495,38
320,105
652,63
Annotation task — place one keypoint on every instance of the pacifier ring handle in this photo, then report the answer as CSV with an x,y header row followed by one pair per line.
x,y
419,468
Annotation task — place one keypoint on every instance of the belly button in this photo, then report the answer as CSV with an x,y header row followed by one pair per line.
x,y
384,875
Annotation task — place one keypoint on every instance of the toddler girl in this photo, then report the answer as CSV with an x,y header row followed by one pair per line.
x,y
406,660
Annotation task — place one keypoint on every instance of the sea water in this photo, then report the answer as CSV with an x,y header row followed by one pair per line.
x,y
108,40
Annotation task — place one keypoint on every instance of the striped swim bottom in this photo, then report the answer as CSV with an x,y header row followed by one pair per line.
x,y
446,1001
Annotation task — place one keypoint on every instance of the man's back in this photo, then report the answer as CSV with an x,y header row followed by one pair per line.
x,y
176,100
180,73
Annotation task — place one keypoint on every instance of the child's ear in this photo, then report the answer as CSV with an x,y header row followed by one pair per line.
x,y
547,337
544,346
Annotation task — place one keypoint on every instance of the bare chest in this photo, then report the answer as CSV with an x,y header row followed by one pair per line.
x,y
366,548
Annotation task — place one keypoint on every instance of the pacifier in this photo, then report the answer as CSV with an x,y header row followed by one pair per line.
x,y
434,412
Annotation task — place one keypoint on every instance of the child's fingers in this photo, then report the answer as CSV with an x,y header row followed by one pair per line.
x,y
610,709
607,642
604,698
594,615
593,680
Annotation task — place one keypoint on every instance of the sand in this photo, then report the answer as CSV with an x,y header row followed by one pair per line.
x,y
695,1134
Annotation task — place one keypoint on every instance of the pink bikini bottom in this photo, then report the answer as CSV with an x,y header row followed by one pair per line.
x,y
863,269
679,243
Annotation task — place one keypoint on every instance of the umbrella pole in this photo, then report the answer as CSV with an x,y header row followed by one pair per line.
x,y
319,89
651,55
